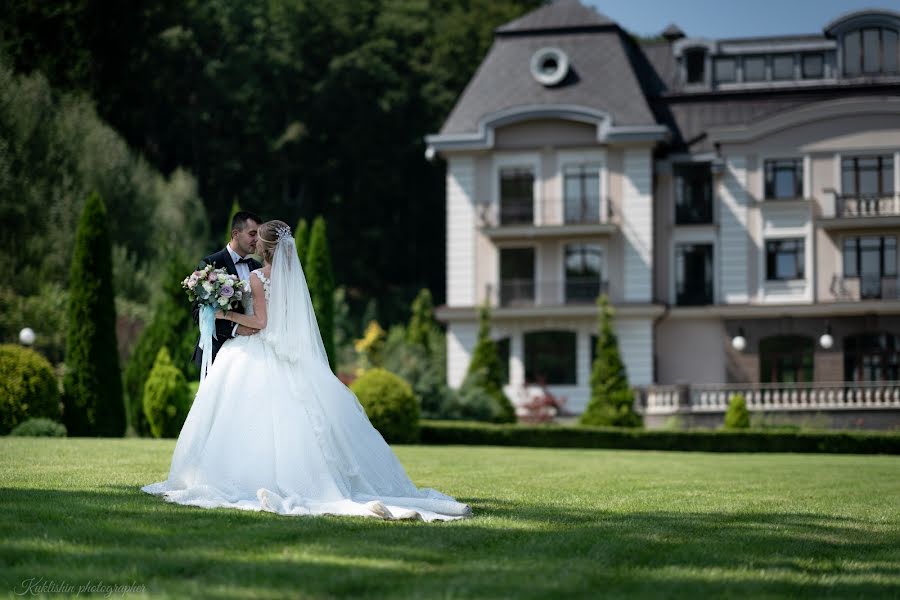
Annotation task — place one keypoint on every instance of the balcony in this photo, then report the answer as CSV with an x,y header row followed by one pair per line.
x,y
518,220
573,291
866,287
865,211
771,397
868,206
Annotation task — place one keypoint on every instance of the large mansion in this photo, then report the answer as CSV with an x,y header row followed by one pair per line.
x,y
737,199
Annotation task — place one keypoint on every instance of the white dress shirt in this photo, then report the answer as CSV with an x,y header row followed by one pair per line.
x,y
243,271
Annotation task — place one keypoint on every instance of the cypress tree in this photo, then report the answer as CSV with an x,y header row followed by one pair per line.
x,y
321,284
486,372
172,328
301,239
235,208
421,324
611,397
166,398
93,382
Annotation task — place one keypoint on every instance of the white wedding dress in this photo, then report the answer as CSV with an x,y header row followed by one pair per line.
x,y
273,429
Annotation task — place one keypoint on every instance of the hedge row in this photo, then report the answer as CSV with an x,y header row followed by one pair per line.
x,y
844,442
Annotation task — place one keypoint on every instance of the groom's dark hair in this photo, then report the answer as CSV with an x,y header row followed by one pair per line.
x,y
240,218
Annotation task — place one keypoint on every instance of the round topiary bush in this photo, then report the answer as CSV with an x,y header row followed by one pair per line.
x,y
737,416
28,387
39,427
390,404
167,397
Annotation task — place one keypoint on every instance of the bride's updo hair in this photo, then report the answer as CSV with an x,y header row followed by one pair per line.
x,y
268,237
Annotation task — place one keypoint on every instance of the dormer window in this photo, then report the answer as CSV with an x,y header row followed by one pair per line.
x,y
813,66
870,51
754,68
695,63
783,66
725,69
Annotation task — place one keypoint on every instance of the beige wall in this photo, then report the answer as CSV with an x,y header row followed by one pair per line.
x,y
542,133
690,351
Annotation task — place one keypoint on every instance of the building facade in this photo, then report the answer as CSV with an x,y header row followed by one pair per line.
x,y
736,199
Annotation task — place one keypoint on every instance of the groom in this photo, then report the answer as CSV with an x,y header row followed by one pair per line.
x,y
234,258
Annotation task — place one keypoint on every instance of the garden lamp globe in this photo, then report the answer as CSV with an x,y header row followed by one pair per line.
x,y
26,336
739,342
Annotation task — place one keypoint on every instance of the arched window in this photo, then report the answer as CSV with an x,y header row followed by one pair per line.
x,y
872,357
871,51
786,359
550,357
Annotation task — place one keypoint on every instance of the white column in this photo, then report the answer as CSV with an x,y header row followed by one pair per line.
x,y
516,359
637,225
461,231
461,339
735,238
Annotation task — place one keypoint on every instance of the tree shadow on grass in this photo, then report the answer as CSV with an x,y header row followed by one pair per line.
x,y
522,550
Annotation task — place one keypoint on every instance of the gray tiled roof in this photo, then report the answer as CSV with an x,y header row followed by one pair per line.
x,y
562,14
601,77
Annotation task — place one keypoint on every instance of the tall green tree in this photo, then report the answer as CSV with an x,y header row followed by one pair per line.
x,y
293,107
421,328
320,278
612,400
486,372
235,209
172,328
93,403
301,239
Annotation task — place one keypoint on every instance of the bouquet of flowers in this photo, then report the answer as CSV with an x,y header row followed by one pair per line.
x,y
215,289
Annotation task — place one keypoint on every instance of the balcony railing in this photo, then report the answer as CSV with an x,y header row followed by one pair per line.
x,y
771,397
517,212
551,211
867,206
528,292
865,287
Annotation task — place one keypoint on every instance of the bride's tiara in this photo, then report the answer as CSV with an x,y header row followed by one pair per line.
x,y
281,231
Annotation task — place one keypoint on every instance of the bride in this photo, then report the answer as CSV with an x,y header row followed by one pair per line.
x,y
273,429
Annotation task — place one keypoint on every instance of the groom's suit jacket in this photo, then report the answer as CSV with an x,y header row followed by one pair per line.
x,y
219,260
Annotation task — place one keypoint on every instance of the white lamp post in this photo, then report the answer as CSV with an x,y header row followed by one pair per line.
x,y
26,336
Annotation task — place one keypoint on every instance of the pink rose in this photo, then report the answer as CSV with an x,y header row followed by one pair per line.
x,y
212,276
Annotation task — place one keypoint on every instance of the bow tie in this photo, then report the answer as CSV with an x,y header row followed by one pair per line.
x,y
244,260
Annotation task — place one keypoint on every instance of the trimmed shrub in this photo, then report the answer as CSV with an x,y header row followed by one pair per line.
x,y
167,397
390,404
612,401
93,382
551,436
39,427
320,279
28,387
477,400
486,372
737,416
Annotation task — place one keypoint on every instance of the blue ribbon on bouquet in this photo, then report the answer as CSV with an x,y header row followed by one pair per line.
x,y
207,333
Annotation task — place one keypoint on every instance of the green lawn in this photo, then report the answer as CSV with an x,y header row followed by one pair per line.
x,y
548,524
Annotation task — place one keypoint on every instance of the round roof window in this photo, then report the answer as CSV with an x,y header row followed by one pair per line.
x,y
549,66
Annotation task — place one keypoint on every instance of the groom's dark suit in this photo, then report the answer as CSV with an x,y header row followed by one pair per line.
x,y
220,260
